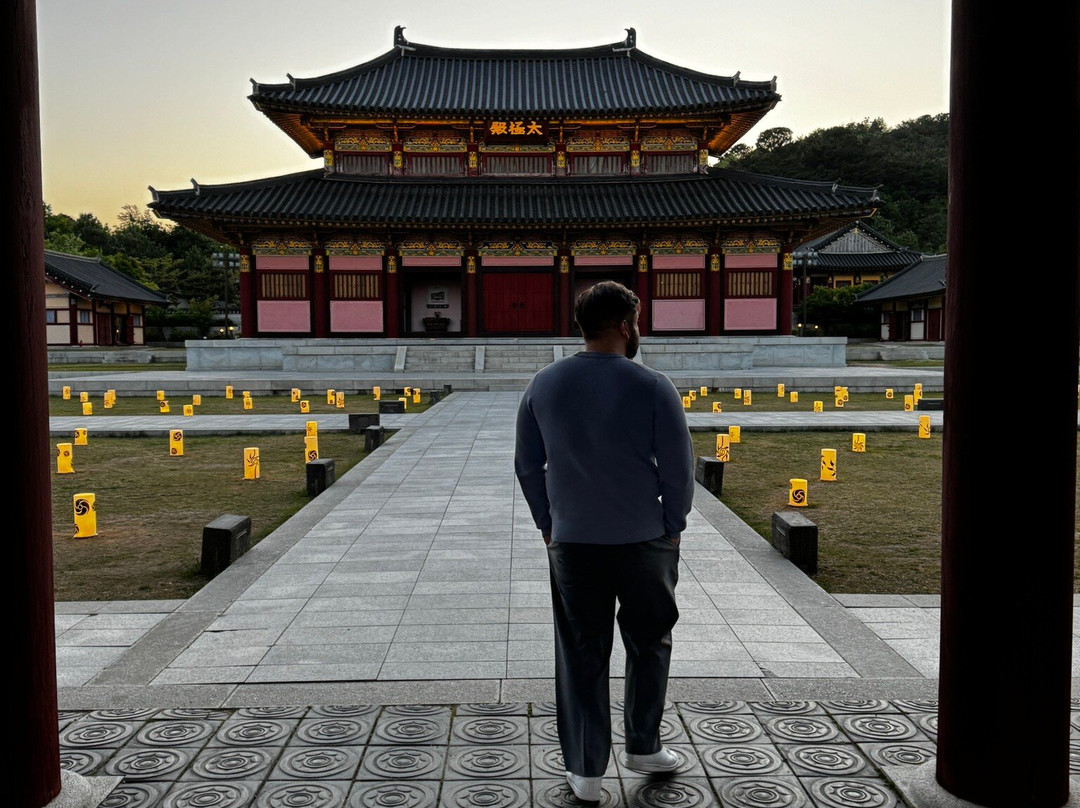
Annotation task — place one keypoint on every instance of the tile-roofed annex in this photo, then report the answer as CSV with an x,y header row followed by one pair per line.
x,y
924,278
95,279
477,192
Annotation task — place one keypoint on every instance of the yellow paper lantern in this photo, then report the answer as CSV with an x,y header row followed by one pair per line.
x,y
109,400
404,400
196,400
858,441
251,463
794,397
888,392
228,391
311,448
87,408
249,404
828,464
780,391
723,447
189,409
163,406
735,433
747,397
376,392
339,400
176,442
924,426
738,392
692,394
797,492
304,406
84,397
160,395
838,402
408,392
819,406
66,392
80,436
330,397
85,512
416,395
704,391
64,459
716,407
294,394
311,428
686,402
909,402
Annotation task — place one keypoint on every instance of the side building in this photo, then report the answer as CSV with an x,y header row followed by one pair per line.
x,y
476,192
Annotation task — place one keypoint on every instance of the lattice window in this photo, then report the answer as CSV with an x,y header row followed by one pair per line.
x,y
51,317
355,286
283,286
363,163
751,283
670,163
678,284
517,164
437,165
597,164
84,316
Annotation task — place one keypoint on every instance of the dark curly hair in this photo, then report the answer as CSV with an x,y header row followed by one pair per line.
x,y
603,306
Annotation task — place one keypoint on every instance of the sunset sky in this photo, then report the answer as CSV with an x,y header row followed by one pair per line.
x,y
149,93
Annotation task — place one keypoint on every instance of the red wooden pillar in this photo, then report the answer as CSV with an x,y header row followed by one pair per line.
x,y
564,303
643,280
393,303
471,313
33,728
784,297
714,294
320,295
249,320
1007,561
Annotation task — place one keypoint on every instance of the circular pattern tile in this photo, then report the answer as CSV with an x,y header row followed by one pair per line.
x,y
917,706
411,730
333,731
542,708
548,760
828,759
272,712
133,714
878,727
253,732
494,708
495,762
668,794
743,759
546,730
761,792
499,794
417,709
393,795
802,729
855,792
900,754
724,728
134,795
232,764
81,761
316,762
1074,757
722,707
302,795
557,794
402,762
786,707
209,795
175,733
345,710
927,722
858,706
196,713
89,734
490,729
148,764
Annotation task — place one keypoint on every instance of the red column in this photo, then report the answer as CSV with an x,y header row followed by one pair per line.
x,y
320,295
34,754
643,276
392,302
564,304
714,314
249,320
471,314
784,298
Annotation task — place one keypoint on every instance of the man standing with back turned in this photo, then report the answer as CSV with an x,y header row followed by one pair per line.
x,y
604,459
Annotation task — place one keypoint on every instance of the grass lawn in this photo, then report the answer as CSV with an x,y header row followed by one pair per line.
x,y
879,522
218,404
767,400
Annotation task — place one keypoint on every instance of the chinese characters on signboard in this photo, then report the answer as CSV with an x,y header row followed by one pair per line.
x,y
520,128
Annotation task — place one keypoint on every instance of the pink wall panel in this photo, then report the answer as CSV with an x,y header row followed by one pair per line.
x,y
759,261
678,262
355,262
750,314
678,315
281,262
603,260
356,315
517,261
284,315
431,261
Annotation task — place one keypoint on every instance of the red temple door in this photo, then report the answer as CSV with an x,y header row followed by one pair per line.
x,y
518,302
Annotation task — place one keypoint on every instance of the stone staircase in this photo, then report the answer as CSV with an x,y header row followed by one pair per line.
x,y
441,356
517,358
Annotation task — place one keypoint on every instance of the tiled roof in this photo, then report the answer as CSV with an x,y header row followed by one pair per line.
x,y
855,246
608,80
925,278
314,198
94,278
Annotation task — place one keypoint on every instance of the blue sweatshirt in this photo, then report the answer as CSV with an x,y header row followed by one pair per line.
x,y
603,453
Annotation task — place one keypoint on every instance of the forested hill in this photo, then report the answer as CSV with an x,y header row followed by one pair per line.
x,y
908,163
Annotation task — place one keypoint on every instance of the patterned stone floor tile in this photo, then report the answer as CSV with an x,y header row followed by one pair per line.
x,y
488,762
851,792
743,760
287,793
393,763
400,794
556,793
317,763
673,792
765,791
903,753
486,794
826,759
228,763
490,729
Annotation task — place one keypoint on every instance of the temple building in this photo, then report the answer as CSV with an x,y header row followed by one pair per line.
x,y
476,192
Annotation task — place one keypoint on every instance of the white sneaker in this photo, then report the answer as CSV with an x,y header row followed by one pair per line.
x,y
586,789
663,761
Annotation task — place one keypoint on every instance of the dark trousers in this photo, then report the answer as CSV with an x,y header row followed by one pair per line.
x,y
587,580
